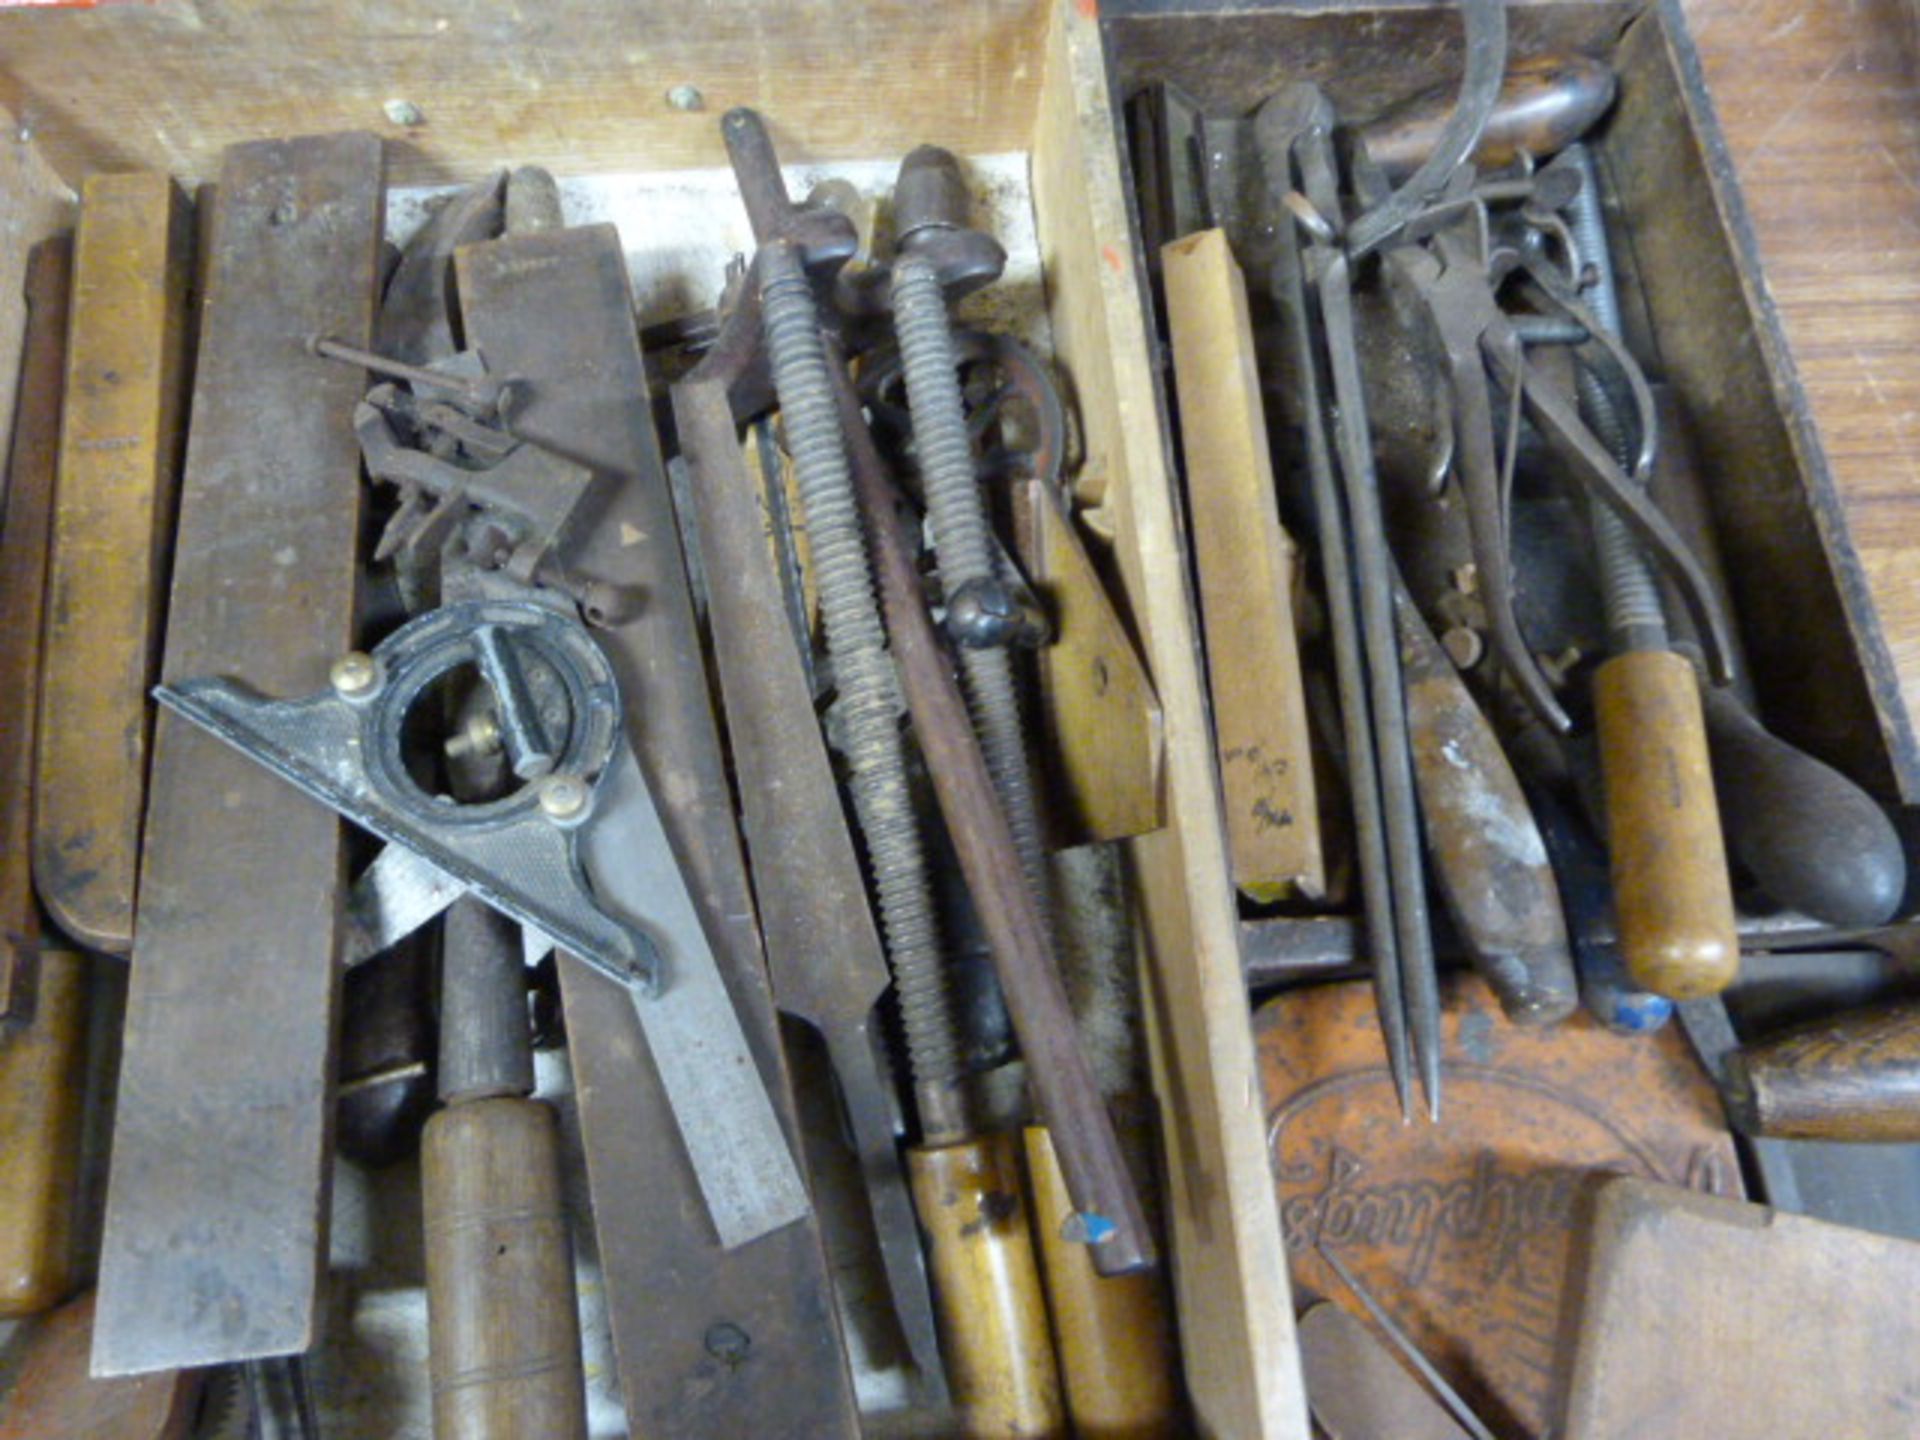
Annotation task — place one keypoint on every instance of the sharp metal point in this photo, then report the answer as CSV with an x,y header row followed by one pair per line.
x,y
1447,1395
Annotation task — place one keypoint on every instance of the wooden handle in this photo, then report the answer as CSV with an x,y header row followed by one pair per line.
x,y
42,1084
503,1324
1115,1342
1671,896
986,1288
1545,105
1488,854
1815,841
1853,1077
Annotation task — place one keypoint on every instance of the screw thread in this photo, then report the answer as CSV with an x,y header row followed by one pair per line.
x,y
869,695
962,542
1631,595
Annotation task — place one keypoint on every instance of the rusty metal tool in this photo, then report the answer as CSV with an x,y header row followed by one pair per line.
x,y
554,306
1295,136
823,949
24,551
225,1084
1546,103
113,528
1485,48
1279,124
991,1314
577,853
1108,1211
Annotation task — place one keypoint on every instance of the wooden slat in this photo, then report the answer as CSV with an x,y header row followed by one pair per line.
x,y
112,530
217,1202
25,532
1246,566
1236,1321
1705,1316
572,84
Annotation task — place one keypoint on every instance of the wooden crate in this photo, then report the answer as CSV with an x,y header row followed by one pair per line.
x,y
583,88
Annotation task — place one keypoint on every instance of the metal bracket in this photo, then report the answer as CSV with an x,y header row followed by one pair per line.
x,y
520,854
569,855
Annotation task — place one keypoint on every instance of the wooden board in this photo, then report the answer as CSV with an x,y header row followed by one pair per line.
x,y
1706,1316
1236,1321
217,1200
1834,91
1245,564
570,84
1465,1231
113,530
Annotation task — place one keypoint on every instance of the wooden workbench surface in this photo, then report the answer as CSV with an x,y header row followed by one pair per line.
x,y
1820,101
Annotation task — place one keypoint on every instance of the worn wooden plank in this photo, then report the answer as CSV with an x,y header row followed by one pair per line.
x,y
1820,106
555,309
570,84
1230,1280
112,531
217,1201
1704,1316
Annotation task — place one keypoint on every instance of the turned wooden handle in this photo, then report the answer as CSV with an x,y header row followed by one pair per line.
x,y
986,1288
42,1085
1114,1337
1672,899
1852,1077
503,1325
1545,105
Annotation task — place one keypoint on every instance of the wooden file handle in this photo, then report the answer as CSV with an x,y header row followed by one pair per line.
x,y
503,1327
42,1083
986,1289
1852,1077
1115,1340
1672,899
